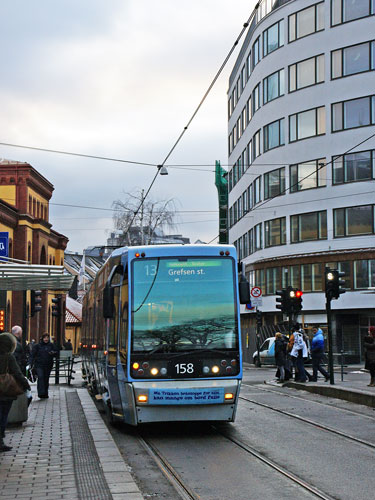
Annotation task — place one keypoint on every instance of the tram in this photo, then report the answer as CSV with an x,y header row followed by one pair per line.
x,y
161,333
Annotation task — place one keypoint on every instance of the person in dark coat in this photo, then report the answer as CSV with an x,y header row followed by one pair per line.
x,y
8,364
42,360
280,355
68,345
369,344
19,353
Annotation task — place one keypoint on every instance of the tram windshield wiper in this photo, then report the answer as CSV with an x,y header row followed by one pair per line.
x,y
200,351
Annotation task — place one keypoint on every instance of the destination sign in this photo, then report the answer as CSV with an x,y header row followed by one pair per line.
x,y
186,396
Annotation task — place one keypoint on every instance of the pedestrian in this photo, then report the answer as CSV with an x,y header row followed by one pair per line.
x,y
369,344
19,353
42,361
8,364
280,355
299,352
68,345
317,354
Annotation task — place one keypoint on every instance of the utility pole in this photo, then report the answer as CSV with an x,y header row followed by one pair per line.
x,y
142,205
57,312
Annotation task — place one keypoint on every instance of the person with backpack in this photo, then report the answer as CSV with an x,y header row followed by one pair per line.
x,y
299,352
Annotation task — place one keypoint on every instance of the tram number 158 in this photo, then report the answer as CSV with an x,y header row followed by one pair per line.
x,y
182,368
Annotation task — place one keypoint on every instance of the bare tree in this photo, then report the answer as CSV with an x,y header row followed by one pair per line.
x,y
138,223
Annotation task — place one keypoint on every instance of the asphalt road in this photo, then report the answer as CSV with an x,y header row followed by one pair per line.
x,y
216,468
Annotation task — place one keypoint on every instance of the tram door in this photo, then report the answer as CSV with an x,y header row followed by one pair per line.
x,y
112,341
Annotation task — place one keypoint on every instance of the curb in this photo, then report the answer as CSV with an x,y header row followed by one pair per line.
x,y
358,397
120,482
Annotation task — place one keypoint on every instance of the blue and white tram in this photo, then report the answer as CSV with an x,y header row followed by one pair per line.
x,y
161,333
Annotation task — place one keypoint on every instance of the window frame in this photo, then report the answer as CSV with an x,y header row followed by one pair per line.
x,y
296,72
371,13
371,110
316,124
295,22
266,188
298,217
343,156
317,168
279,86
345,209
280,42
371,58
268,230
281,135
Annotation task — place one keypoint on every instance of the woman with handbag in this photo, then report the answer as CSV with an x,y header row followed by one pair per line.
x,y
12,382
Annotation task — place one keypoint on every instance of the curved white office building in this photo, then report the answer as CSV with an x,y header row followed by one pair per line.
x,y
301,113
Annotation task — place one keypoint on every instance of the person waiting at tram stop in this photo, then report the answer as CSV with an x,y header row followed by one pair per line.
x,y
369,344
8,364
41,359
299,353
280,356
317,354
19,353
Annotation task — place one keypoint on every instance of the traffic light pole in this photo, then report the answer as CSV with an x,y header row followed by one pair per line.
x,y
258,343
330,342
58,338
25,322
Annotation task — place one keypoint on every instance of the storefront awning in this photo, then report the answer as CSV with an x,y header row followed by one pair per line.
x,y
17,277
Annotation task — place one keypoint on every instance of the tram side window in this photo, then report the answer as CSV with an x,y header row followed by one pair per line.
x,y
113,324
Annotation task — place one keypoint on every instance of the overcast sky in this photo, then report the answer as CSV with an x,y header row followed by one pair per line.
x,y
118,78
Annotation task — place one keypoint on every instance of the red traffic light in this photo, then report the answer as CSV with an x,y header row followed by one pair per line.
x,y
299,293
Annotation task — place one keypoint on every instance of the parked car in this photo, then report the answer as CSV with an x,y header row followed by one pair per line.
x,y
267,352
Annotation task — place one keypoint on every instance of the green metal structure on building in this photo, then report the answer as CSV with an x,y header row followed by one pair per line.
x,y
222,188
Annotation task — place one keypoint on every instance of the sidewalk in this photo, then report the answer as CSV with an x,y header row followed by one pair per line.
x,y
353,388
64,451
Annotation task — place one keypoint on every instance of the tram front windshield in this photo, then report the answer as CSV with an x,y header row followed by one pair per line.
x,y
183,304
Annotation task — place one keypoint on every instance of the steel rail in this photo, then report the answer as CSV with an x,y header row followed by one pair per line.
x,y
311,422
167,469
272,391
295,479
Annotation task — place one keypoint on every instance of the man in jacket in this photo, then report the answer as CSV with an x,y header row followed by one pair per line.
x,y
19,353
299,352
42,360
317,353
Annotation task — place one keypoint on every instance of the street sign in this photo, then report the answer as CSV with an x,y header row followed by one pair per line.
x,y
256,292
257,302
4,244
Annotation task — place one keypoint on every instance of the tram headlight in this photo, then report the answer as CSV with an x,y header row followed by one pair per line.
x,y
228,395
142,398
154,371
206,370
135,366
215,369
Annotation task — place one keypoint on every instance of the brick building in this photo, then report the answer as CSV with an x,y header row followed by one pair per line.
x,y
24,215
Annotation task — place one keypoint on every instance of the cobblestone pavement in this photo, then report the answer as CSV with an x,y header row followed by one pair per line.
x,y
64,451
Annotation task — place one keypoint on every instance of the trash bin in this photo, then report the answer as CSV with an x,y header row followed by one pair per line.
x,y
18,411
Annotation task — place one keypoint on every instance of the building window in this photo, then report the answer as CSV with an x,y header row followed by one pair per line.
x,y
249,153
256,52
311,277
256,145
255,99
307,175
306,73
248,65
251,241
243,77
353,221
274,183
258,243
343,11
273,86
273,135
353,113
306,21
244,245
308,227
351,60
353,167
273,38
273,280
257,190
249,111
259,278
307,124
364,273
275,232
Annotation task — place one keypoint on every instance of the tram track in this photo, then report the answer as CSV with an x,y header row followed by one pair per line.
x,y
300,398
184,491
276,467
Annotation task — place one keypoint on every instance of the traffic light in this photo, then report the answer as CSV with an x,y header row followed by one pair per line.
x,y
35,302
2,320
56,307
282,302
333,283
259,318
295,297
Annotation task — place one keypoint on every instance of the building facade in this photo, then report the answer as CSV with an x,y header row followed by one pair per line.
x,y
301,146
24,216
